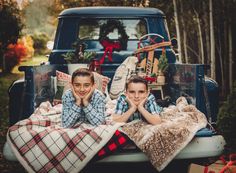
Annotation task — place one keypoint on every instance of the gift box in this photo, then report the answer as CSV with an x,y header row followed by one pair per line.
x,y
194,168
223,165
217,167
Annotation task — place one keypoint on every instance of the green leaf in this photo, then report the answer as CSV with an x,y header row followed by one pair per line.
x,y
163,63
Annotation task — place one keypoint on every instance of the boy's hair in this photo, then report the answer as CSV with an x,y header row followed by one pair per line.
x,y
136,79
82,72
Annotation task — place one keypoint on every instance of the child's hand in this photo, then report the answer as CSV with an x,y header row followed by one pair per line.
x,y
131,104
88,96
141,104
78,100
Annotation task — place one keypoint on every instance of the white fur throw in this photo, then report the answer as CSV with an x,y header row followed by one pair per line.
x,y
162,142
122,73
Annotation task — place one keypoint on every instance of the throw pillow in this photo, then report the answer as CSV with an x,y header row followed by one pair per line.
x,y
101,81
63,83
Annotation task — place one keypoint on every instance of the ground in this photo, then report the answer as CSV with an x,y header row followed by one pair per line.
x,y
6,166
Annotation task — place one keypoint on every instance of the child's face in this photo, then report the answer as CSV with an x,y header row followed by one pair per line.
x,y
82,85
136,92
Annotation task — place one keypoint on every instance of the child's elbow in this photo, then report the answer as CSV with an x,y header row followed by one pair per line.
x,y
156,121
115,117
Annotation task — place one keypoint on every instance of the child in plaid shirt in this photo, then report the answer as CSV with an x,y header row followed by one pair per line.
x,y
137,103
83,102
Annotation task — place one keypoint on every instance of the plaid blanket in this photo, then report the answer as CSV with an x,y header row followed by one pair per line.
x,y
42,145
162,142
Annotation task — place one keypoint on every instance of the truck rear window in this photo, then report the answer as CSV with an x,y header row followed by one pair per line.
x,y
90,29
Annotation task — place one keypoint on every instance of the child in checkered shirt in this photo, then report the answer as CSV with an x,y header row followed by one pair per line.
x,y
137,103
83,103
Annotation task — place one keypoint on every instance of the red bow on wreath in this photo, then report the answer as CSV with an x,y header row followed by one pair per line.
x,y
109,46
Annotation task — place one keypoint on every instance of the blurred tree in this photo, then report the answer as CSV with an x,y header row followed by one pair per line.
x,y
11,26
176,17
40,43
64,4
38,17
13,55
28,42
226,120
202,28
212,37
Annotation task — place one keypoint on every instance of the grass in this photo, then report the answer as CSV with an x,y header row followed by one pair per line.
x,y
5,82
37,60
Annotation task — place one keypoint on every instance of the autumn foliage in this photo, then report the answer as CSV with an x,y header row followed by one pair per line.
x,y
13,55
28,42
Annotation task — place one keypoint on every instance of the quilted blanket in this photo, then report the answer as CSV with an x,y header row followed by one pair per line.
x,y
161,143
42,145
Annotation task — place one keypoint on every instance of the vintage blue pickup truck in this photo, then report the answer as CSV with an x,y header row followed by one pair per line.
x,y
121,28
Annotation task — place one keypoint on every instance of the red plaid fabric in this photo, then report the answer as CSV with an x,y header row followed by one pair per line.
x,y
118,141
42,145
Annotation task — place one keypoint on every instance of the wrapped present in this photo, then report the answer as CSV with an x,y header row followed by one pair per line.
x,y
215,168
220,166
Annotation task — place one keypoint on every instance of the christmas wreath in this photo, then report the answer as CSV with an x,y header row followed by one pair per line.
x,y
108,44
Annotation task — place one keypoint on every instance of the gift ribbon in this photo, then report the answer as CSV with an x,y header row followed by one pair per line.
x,y
109,46
232,161
206,170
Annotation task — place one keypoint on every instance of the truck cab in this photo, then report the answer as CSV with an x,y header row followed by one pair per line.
x,y
90,26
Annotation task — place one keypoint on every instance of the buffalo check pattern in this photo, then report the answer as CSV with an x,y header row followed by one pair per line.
x,y
42,145
117,142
